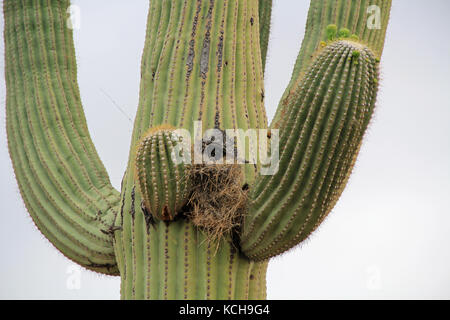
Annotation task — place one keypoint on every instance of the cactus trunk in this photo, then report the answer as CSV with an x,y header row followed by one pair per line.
x,y
201,61
175,261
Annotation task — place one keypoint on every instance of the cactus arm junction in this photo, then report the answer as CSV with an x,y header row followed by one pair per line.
x,y
321,128
61,178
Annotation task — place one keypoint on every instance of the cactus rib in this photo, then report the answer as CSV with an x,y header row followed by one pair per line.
x,y
265,14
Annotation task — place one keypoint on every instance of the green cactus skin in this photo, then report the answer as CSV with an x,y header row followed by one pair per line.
x,y
265,15
163,185
203,60
62,181
321,135
348,14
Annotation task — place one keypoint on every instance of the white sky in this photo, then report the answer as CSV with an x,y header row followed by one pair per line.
x,y
389,235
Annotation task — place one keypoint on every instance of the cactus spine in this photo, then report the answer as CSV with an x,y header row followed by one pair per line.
x,y
203,60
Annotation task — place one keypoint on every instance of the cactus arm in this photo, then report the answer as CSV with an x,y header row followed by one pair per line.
x,y
61,178
265,14
350,14
323,124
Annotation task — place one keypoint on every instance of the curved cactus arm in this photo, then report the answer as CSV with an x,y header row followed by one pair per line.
x,y
265,14
61,178
323,123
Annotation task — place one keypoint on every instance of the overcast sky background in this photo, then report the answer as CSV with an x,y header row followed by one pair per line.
x,y
389,235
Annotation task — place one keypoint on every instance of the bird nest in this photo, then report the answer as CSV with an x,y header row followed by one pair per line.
x,y
218,201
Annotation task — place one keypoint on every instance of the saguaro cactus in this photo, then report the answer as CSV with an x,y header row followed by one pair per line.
x,y
203,60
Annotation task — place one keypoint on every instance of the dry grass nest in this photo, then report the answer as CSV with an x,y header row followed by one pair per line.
x,y
218,201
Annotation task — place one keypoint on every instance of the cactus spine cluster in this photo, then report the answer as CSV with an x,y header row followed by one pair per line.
x,y
203,60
